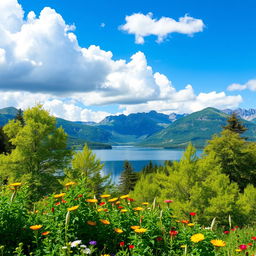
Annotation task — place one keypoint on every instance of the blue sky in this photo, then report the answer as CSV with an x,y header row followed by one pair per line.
x,y
218,54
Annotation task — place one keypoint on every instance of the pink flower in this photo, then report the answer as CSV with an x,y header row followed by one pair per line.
x,y
243,247
168,201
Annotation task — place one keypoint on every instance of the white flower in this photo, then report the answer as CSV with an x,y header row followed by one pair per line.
x,y
83,246
76,243
86,251
64,247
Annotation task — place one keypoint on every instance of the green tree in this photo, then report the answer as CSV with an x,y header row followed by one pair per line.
x,y
86,166
40,151
128,179
19,116
5,145
235,125
236,157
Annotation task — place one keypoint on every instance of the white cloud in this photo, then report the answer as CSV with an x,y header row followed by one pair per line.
x,y
250,85
144,25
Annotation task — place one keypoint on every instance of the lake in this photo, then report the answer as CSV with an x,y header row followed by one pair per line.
x,y
114,158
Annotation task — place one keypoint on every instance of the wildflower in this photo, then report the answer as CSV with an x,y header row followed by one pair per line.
x,y
45,233
35,227
105,196
191,224
76,243
16,184
168,201
130,199
118,202
105,255
113,199
243,247
124,196
135,227
254,238
86,251
58,203
173,233
159,238
120,207
138,209
118,230
140,230
63,201
250,244
131,246
94,200
92,242
102,203
80,195
226,232
192,214
145,203
218,243
124,210
122,243
59,195
53,209
106,222
91,223
197,238
185,221
73,208
70,183
238,250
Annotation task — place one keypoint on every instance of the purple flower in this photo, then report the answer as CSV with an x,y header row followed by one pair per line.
x,y
92,242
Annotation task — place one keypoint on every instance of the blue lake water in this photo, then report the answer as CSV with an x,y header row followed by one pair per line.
x,y
114,158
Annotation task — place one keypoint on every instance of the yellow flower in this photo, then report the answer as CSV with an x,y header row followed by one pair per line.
x,y
35,227
191,224
16,184
197,238
124,210
135,227
145,203
73,208
106,222
91,223
138,209
105,255
113,199
91,200
124,196
59,195
218,243
70,183
118,230
100,210
118,202
140,230
238,250
105,196
183,246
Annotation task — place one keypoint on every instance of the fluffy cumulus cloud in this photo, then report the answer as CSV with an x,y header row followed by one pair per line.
x,y
41,61
250,85
145,25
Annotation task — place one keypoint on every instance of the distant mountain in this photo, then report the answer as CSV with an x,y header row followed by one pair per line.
x,y
137,125
197,128
9,111
247,114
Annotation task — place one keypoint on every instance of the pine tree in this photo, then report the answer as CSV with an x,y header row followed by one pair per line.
x,y
19,117
235,125
128,179
5,145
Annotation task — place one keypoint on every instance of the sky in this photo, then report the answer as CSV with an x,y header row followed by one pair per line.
x,y
84,60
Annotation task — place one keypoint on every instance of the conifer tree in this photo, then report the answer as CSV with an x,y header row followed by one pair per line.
x,y
5,145
235,125
19,117
128,179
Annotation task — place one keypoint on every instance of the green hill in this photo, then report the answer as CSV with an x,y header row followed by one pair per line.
x,y
197,128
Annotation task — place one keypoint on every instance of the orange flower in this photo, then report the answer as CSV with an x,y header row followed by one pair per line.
x,y
91,200
105,196
140,230
124,196
45,233
73,208
138,209
91,223
118,230
35,227
106,222
70,183
185,221
59,195
135,227
113,199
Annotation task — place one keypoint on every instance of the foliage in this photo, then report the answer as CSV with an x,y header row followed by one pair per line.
x,y
40,150
86,166
235,125
128,179
235,156
5,145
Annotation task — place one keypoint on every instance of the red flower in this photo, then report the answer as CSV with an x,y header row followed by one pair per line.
x,y
192,213
120,207
58,203
130,199
121,243
52,209
250,244
254,238
102,203
131,246
63,201
243,247
226,232
159,238
173,233
233,229
80,195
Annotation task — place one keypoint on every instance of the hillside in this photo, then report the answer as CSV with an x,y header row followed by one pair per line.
x,y
197,128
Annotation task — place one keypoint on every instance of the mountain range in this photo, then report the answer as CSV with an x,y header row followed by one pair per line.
x,y
148,129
